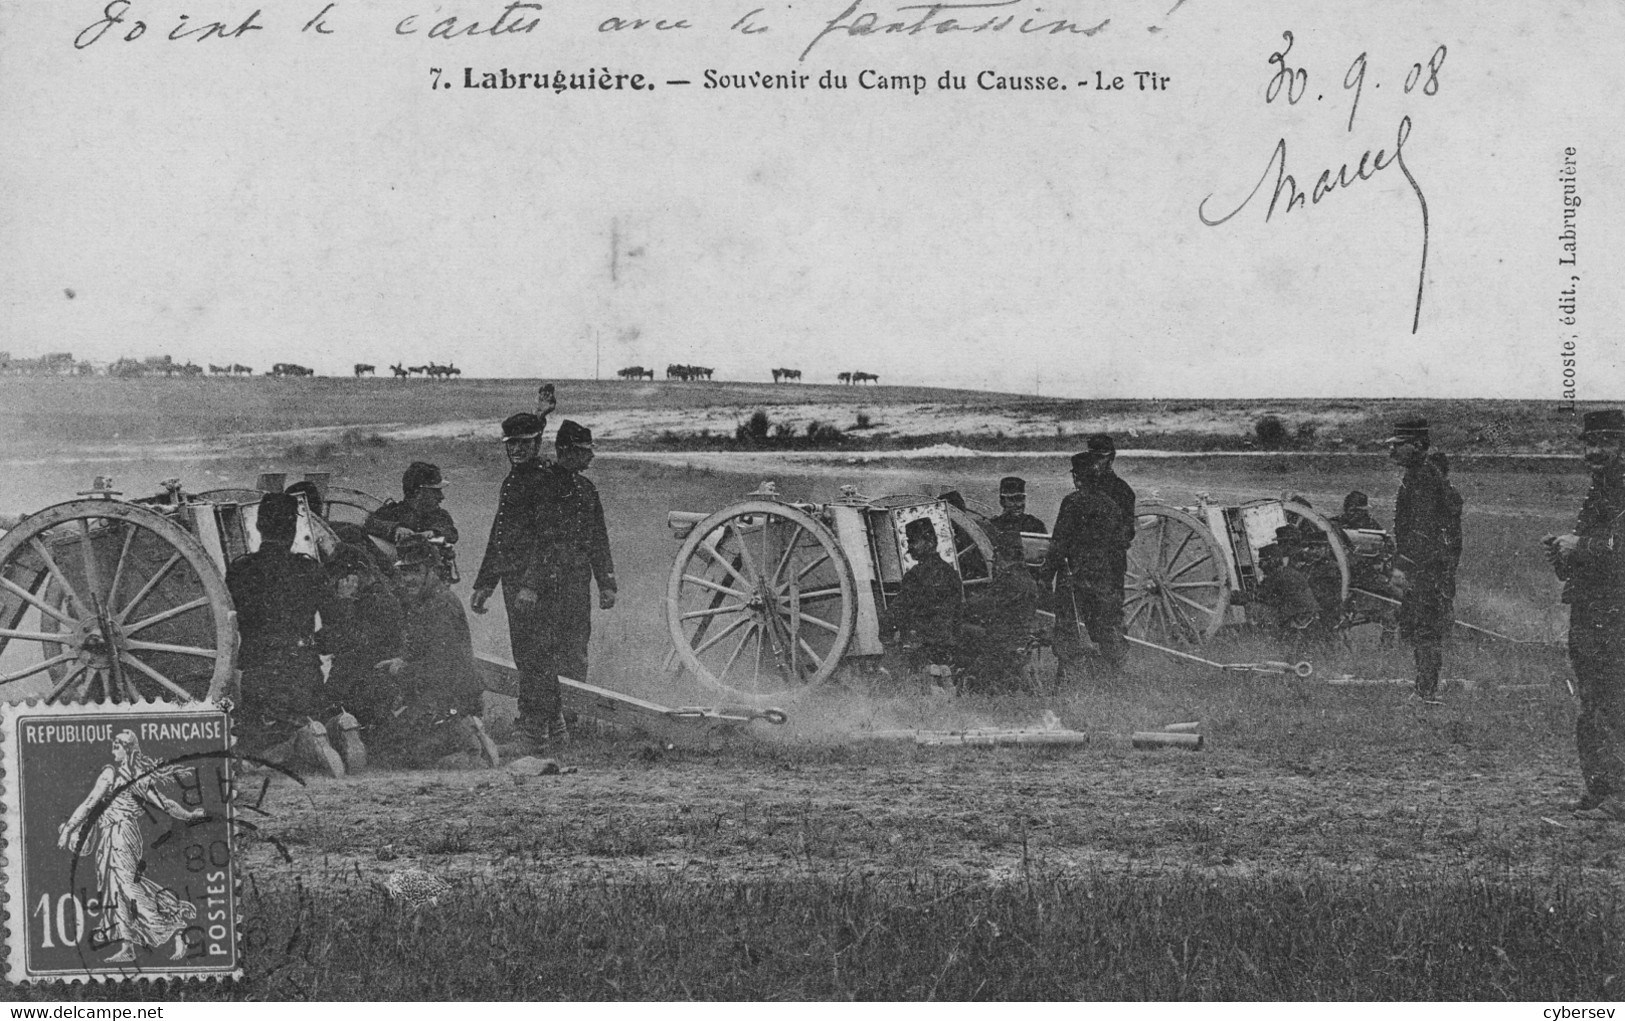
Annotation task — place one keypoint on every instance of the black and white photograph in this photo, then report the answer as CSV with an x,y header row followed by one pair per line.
x,y
840,500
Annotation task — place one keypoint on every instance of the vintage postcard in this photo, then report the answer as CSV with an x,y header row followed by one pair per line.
x,y
833,309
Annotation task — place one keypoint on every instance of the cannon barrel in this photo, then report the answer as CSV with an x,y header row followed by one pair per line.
x,y
682,522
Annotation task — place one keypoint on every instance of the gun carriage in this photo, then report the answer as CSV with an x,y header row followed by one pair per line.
x,y
767,597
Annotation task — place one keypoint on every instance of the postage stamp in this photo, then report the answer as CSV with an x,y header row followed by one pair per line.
x,y
119,857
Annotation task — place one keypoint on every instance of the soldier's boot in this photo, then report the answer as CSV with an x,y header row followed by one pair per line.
x,y
1429,662
350,746
480,741
314,752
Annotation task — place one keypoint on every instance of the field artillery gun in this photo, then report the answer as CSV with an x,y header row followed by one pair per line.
x,y
104,599
768,596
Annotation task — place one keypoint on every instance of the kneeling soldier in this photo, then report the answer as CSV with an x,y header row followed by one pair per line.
x,y
438,686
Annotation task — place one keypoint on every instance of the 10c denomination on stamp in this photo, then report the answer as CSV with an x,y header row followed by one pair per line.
x,y
119,859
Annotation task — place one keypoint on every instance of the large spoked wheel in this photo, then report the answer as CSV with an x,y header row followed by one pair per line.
x,y
1330,573
350,506
1177,588
761,603
108,601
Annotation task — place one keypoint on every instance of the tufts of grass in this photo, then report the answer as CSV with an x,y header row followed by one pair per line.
x,y
1429,936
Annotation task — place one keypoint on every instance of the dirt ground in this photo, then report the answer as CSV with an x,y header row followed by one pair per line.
x,y
1298,779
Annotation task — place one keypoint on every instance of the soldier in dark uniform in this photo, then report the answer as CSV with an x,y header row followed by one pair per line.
x,y
1001,615
1287,593
439,690
418,513
1452,521
1088,554
929,603
1357,512
1422,515
344,532
278,594
1591,562
363,626
511,561
573,553
1013,498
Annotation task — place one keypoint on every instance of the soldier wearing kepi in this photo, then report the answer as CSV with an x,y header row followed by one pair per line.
x,y
573,553
278,594
1013,500
1591,562
418,514
1088,556
928,607
511,561
1422,516
439,687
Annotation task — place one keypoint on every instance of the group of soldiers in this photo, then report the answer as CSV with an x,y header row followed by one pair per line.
x,y
402,677
1081,579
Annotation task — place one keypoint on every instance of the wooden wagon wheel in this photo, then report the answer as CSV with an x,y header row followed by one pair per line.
x,y
113,601
1177,588
761,602
1297,515
350,506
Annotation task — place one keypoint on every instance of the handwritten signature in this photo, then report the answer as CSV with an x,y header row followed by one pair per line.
x,y
1368,166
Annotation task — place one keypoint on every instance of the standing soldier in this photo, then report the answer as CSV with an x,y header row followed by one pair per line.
x,y
1422,516
510,561
1452,522
1088,556
1013,498
277,594
1591,562
572,553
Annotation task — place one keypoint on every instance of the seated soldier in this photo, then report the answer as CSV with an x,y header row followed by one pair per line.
x,y
928,605
418,513
277,594
1356,513
999,619
1293,614
437,684
363,627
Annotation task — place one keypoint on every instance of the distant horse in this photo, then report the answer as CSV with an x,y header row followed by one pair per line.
x,y
219,370
677,372
845,377
452,370
191,369
241,370
785,375
635,372
417,370
864,377
365,370
701,370
399,370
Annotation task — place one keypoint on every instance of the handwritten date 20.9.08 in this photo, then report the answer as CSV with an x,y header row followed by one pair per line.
x,y
1291,84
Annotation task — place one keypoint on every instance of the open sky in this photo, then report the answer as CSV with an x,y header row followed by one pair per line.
x,y
288,195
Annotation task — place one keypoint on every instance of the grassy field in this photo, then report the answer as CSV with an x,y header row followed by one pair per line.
x,y
1329,841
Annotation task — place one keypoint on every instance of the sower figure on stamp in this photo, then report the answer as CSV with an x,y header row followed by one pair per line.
x,y
572,554
363,627
511,561
438,685
1422,516
1088,557
1591,562
278,594
135,909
